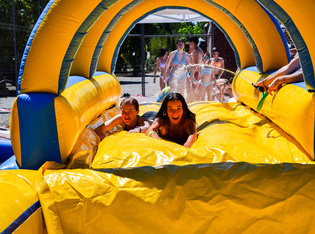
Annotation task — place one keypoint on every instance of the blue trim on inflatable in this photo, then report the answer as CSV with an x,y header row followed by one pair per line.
x,y
73,80
116,53
99,73
22,218
300,84
258,59
29,43
104,35
76,79
10,164
38,131
77,40
276,23
305,58
254,69
6,150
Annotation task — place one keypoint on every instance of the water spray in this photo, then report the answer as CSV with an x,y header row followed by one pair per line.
x,y
261,89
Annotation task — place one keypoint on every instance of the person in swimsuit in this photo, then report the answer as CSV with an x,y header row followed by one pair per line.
x,y
207,79
128,119
193,86
174,122
176,64
160,65
217,63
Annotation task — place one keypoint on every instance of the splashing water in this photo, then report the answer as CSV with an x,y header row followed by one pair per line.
x,y
191,93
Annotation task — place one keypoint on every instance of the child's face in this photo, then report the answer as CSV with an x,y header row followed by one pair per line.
x,y
129,113
175,111
165,55
215,54
180,45
206,58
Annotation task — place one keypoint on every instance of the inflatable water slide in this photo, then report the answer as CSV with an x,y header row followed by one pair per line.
x,y
250,171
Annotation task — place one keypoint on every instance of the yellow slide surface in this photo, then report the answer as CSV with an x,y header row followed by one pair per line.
x,y
200,198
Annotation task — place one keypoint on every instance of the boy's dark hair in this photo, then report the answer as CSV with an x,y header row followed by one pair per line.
x,y
187,47
203,46
130,101
162,113
215,49
194,39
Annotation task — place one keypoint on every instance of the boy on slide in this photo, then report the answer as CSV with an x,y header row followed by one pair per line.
x,y
128,119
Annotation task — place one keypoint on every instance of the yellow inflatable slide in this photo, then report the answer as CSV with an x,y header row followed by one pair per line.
x,y
249,171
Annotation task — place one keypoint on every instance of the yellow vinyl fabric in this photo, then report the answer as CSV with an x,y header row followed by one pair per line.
x,y
15,128
82,64
243,171
247,172
50,44
81,103
71,112
199,198
226,132
17,194
292,108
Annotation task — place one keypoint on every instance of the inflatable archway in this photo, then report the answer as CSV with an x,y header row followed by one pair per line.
x,y
91,35
67,80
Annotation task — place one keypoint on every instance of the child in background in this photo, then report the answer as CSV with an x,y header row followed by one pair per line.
x,y
163,94
207,79
160,65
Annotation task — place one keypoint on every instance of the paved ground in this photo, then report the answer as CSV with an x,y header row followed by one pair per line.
x,y
130,85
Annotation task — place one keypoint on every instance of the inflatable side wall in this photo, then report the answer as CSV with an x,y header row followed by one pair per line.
x,y
46,126
292,108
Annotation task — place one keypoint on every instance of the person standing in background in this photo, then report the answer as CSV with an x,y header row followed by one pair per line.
x,y
160,65
217,63
176,64
194,80
207,80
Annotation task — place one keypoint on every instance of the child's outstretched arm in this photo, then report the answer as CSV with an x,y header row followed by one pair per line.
x,y
152,131
192,131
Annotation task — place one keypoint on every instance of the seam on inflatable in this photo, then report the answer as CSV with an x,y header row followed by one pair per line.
x,y
104,35
22,218
77,39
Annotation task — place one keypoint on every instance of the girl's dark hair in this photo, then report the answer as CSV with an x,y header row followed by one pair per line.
x,y
130,101
180,40
162,113
162,51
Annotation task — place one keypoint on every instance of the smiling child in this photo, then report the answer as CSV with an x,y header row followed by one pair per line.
x,y
174,122
128,119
